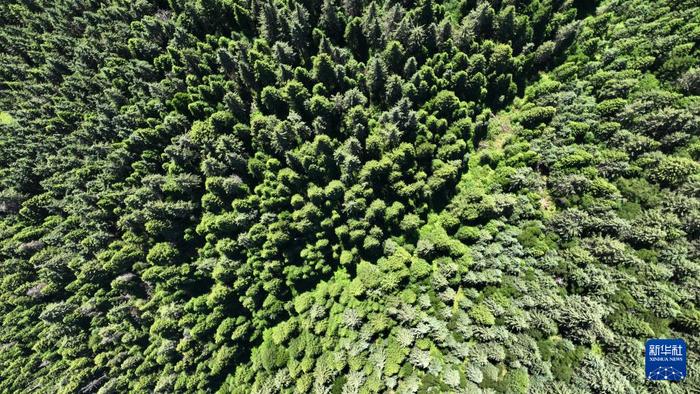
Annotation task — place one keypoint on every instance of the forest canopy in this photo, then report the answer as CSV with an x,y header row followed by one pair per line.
x,y
347,196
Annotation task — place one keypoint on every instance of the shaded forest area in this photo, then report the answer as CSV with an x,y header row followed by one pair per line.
x,y
347,196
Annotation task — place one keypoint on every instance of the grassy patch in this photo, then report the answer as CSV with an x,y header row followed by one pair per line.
x,y
5,118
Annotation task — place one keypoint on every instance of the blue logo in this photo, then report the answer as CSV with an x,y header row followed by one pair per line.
x,y
665,359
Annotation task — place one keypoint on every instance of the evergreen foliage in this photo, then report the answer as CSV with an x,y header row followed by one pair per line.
x,y
356,196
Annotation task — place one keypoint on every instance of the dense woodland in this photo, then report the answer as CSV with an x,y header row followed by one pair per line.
x,y
347,196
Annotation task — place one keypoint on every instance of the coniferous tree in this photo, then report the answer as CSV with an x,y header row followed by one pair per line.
x,y
346,196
